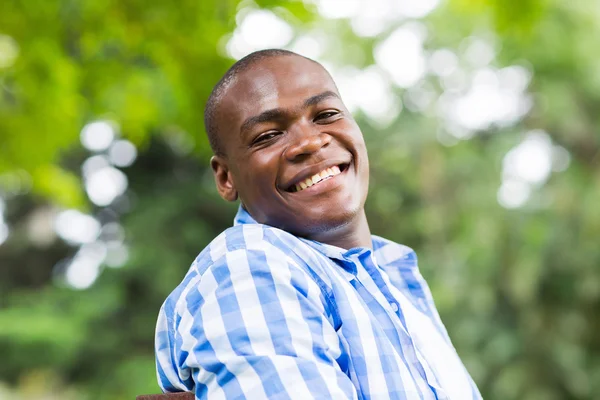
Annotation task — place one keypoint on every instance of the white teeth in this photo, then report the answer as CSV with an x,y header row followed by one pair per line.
x,y
302,185
316,178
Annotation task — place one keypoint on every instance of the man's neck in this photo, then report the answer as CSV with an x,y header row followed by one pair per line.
x,y
354,234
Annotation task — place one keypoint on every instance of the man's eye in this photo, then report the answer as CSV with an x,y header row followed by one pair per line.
x,y
265,137
326,115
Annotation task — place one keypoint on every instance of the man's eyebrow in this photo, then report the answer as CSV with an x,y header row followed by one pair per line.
x,y
311,101
266,116
278,113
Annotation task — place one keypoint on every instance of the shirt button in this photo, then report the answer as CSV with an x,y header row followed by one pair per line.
x,y
394,306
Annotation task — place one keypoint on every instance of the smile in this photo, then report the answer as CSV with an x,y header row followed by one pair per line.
x,y
316,178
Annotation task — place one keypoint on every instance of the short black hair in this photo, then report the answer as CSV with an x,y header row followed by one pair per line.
x,y
210,111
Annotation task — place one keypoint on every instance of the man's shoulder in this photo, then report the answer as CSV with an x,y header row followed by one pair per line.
x,y
246,238
263,248
249,238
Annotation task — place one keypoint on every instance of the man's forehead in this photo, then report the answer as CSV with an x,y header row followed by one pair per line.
x,y
272,79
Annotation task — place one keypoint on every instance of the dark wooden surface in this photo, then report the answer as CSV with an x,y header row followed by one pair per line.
x,y
167,396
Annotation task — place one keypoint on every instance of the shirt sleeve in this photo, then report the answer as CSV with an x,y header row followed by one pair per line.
x,y
255,325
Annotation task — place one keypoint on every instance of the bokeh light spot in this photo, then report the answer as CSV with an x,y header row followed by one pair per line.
x,y
83,270
486,103
416,8
371,92
117,256
259,29
478,51
9,51
40,226
98,135
513,194
105,185
122,153
4,231
93,164
374,17
443,62
335,9
76,227
531,160
401,56
308,46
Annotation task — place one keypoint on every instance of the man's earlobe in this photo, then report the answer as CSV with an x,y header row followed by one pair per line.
x,y
223,178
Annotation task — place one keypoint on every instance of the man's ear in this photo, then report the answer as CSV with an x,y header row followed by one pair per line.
x,y
223,178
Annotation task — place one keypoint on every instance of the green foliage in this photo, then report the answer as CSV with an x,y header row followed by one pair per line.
x,y
518,289
509,17
144,65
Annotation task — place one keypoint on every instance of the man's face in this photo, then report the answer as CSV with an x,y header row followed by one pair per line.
x,y
293,153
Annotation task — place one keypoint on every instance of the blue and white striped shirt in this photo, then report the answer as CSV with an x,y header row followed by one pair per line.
x,y
264,314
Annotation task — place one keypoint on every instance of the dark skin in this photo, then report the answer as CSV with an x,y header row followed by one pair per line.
x,y
282,121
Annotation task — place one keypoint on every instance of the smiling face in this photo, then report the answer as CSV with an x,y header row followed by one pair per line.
x,y
293,153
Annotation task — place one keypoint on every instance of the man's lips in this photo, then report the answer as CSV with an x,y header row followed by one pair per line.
x,y
313,171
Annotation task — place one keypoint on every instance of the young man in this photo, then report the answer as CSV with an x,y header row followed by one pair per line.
x,y
298,300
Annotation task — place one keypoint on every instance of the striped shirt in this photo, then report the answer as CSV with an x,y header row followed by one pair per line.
x,y
263,314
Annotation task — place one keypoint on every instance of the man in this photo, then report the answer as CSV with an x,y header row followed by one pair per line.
x,y
298,300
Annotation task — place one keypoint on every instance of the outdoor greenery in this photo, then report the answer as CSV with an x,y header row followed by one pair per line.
x,y
487,164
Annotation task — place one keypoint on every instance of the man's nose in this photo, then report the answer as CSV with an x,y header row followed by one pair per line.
x,y
307,140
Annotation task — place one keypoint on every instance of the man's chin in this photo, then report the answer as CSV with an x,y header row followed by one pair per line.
x,y
311,226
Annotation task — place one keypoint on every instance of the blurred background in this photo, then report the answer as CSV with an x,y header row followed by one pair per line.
x,y
482,120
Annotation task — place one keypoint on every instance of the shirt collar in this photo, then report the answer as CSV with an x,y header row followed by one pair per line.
x,y
386,252
244,217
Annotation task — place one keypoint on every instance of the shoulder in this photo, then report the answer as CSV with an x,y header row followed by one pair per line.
x,y
242,252
246,239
